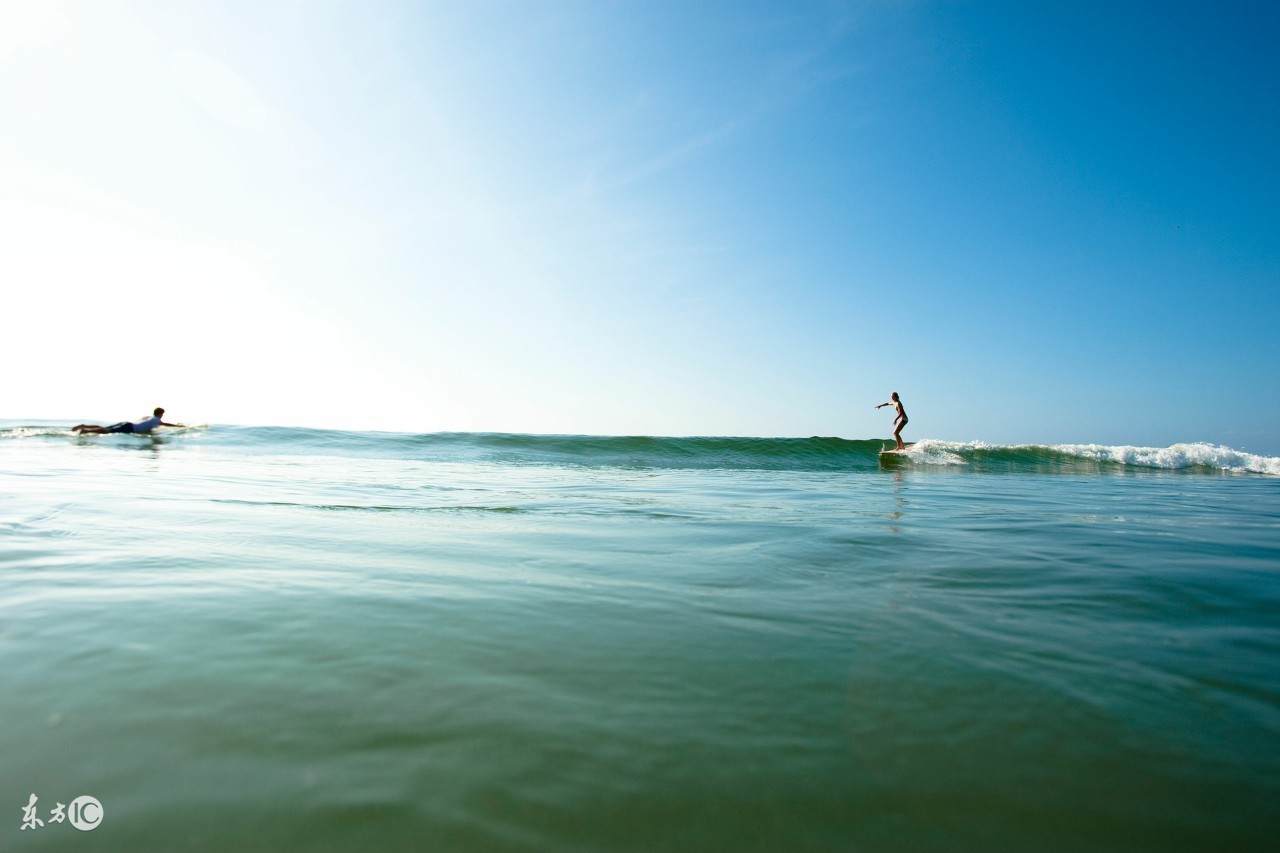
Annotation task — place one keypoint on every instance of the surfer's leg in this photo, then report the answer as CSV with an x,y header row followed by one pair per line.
x,y
91,429
897,434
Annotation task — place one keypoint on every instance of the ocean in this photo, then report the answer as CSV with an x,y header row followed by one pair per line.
x,y
247,638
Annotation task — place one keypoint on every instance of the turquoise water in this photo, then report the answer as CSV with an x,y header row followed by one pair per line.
x,y
273,639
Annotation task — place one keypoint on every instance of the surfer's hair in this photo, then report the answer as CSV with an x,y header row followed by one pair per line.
x,y
158,412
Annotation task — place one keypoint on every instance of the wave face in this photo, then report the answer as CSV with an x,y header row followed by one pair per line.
x,y
696,452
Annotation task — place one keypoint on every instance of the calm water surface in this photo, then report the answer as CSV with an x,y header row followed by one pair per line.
x,y
260,640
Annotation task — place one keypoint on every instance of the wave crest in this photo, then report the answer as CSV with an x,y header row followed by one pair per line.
x,y
1177,457
698,452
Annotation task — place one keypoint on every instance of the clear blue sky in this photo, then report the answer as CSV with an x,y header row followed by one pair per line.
x,y
1038,222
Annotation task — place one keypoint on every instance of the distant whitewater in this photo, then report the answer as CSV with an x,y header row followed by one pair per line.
x,y
696,452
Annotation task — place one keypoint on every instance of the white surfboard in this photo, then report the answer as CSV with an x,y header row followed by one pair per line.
x,y
893,451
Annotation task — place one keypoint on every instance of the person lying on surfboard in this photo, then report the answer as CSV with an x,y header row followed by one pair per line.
x,y
899,421
143,426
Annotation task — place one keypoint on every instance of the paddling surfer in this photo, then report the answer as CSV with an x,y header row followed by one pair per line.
x,y
143,426
899,421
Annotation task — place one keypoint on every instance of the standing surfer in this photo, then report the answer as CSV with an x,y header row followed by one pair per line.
x,y
899,421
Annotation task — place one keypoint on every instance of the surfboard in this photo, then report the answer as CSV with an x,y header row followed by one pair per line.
x,y
893,451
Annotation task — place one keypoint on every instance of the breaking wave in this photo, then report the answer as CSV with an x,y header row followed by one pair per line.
x,y
695,452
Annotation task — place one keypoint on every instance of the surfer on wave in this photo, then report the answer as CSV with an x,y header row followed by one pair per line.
x,y
143,426
899,421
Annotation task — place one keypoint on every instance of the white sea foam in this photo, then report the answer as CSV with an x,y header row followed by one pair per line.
x,y
1174,457
933,452
29,432
1177,456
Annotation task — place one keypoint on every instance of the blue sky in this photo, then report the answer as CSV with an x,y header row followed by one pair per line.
x,y
1038,222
